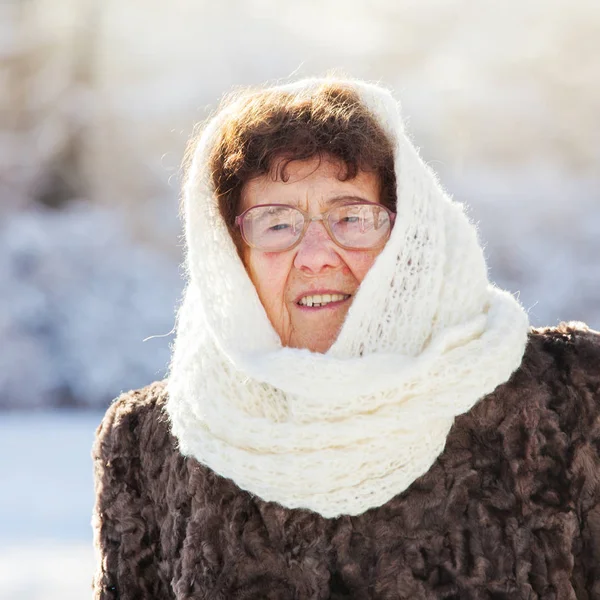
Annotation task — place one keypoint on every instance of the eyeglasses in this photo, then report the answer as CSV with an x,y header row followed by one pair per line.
x,y
280,227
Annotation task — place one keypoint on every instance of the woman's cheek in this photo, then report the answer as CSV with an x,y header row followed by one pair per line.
x,y
269,272
359,262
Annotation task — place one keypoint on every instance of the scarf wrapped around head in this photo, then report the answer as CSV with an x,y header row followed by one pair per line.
x,y
338,433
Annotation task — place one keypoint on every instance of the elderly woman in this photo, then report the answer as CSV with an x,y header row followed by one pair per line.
x,y
352,410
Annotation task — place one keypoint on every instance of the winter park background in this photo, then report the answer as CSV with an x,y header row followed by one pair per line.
x,y
98,99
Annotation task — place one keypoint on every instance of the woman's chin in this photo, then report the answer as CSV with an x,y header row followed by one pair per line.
x,y
319,346
314,328
315,339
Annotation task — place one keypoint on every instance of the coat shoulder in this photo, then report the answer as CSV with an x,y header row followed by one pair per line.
x,y
569,352
556,388
573,339
132,446
135,422
566,357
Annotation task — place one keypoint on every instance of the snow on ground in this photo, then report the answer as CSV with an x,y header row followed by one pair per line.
x,y
46,550
46,570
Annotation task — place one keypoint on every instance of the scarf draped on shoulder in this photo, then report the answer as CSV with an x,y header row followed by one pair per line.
x,y
425,338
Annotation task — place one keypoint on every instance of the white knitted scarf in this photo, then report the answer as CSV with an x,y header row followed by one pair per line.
x,y
338,433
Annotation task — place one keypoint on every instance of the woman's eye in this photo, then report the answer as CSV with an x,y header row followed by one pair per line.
x,y
279,227
350,219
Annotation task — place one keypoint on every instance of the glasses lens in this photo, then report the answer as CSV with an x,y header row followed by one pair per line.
x,y
272,228
360,225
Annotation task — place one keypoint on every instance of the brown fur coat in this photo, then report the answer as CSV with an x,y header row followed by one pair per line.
x,y
510,509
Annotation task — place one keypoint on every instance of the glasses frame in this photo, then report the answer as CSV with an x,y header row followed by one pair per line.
x,y
324,217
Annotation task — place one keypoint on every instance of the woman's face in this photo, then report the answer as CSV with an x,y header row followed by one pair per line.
x,y
316,266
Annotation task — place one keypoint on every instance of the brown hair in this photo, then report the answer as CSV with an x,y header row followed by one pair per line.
x,y
273,127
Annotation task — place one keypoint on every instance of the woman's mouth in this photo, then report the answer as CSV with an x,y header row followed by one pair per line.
x,y
322,300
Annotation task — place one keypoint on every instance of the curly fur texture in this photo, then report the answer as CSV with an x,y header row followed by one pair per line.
x,y
510,509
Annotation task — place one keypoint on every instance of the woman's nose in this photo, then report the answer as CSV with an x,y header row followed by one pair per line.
x,y
316,251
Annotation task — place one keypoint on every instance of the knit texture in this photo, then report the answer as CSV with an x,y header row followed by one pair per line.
x,y
510,510
339,433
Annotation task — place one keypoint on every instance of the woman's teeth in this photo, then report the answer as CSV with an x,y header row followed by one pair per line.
x,y
322,299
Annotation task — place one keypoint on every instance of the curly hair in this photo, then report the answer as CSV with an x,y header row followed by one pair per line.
x,y
273,127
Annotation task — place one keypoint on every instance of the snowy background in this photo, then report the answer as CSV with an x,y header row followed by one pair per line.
x,y
97,101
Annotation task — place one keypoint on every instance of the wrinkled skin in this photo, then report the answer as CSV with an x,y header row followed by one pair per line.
x,y
317,263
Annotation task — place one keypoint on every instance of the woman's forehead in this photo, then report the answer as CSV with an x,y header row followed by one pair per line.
x,y
311,180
